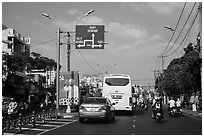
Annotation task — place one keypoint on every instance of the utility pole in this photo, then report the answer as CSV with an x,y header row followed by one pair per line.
x,y
58,65
200,25
162,56
68,52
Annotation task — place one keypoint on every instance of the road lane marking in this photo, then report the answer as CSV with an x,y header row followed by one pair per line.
x,y
57,127
46,125
36,129
43,130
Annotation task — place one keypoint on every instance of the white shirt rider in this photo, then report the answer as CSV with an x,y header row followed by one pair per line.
x,y
178,103
171,103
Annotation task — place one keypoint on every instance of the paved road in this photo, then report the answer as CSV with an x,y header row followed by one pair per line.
x,y
140,123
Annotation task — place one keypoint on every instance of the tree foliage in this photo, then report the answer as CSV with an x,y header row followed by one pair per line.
x,y
20,62
183,75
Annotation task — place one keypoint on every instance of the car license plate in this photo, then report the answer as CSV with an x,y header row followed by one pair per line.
x,y
159,114
92,109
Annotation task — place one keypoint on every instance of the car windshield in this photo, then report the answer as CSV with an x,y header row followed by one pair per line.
x,y
117,81
95,101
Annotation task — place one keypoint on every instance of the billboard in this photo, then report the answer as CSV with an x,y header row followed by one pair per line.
x,y
64,84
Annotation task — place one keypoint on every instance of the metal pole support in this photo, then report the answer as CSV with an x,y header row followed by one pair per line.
x,y
20,122
43,116
33,119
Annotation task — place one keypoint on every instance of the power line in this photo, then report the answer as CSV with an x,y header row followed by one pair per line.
x,y
44,42
185,35
85,59
182,28
87,62
175,29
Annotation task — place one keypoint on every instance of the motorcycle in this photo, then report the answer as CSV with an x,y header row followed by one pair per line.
x,y
179,111
172,112
158,116
144,105
157,113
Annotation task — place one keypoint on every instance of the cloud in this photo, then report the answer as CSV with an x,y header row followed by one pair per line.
x,y
163,8
18,18
90,20
126,30
73,11
124,47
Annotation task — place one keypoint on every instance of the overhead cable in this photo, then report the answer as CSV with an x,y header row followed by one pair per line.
x,y
175,29
185,35
181,29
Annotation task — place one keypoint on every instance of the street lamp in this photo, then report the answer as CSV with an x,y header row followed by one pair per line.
x,y
58,62
85,15
170,28
47,16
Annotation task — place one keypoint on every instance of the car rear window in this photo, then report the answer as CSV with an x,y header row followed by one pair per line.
x,y
95,101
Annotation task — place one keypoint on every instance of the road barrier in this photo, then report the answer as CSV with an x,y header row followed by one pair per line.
x,y
11,124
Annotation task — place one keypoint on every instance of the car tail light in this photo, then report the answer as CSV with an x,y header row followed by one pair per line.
x,y
82,108
104,108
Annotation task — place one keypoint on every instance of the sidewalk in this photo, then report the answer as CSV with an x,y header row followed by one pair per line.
x,y
190,113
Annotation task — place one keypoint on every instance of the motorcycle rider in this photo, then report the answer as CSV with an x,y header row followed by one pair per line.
x,y
171,104
178,104
157,103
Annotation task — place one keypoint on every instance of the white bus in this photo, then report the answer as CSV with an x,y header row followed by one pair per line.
x,y
118,88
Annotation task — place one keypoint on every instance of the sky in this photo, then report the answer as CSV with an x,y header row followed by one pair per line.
x,y
135,33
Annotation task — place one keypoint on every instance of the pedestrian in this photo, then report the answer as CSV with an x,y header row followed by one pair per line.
x,y
192,102
197,100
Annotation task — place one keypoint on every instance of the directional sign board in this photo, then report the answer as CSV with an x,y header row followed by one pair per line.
x,y
89,37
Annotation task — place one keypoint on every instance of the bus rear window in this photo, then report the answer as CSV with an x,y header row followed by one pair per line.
x,y
116,81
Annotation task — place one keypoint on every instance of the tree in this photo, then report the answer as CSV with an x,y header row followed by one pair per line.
x,y
182,75
21,62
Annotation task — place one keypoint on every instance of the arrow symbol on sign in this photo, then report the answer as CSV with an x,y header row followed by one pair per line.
x,y
93,36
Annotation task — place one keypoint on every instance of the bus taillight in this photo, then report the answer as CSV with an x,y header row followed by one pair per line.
x,y
130,101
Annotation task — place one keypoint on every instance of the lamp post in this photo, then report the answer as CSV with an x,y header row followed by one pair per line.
x,y
85,15
58,61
